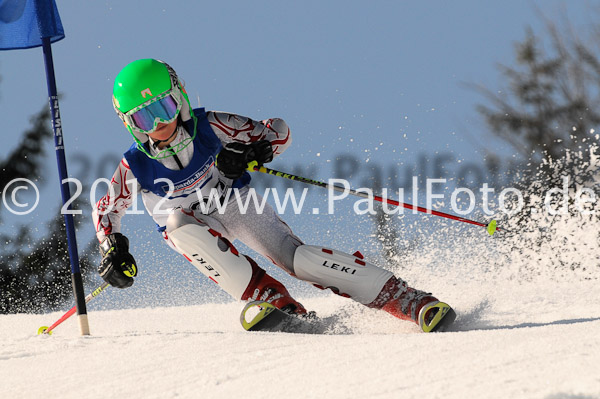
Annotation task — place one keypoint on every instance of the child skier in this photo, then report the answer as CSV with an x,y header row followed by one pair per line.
x,y
184,161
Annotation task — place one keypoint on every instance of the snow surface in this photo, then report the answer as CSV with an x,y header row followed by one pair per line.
x,y
527,340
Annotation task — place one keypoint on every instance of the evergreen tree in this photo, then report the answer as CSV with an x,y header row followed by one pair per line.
x,y
550,109
35,274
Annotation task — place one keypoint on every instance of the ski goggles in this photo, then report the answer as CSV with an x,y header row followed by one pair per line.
x,y
146,117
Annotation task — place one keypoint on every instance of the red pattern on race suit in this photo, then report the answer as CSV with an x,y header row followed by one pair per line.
x,y
109,210
111,207
235,128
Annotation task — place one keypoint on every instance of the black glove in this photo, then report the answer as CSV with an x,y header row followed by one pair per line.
x,y
263,152
234,157
118,266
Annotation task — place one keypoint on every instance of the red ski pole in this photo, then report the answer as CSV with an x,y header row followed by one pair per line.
x,y
252,166
71,312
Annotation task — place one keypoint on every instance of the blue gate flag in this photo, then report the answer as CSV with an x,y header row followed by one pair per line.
x,y
23,23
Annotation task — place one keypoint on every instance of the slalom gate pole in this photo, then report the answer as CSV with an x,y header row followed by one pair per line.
x,y
76,280
253,167
70,312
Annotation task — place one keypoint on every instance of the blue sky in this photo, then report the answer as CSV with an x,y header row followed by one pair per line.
x,y
383,81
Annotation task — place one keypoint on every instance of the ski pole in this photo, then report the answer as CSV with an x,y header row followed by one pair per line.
x,y
92,295
253,167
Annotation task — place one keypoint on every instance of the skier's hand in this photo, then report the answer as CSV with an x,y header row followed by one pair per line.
x,y
234,157
118,266
263,152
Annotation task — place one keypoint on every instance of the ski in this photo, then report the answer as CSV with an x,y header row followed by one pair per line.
x,y
265,317
262,316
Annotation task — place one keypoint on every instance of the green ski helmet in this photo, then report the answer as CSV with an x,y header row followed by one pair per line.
x,y
147,92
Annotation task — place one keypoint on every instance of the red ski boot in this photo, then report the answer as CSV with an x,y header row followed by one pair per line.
x,y
263,287
406,303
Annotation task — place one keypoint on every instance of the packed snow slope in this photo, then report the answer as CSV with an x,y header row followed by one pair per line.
x,y
522,341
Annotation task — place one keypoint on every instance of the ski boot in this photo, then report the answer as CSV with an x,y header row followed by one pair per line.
x,y
406,303
263,287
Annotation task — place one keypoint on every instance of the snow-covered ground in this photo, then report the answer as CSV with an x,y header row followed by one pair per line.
x,y
511,340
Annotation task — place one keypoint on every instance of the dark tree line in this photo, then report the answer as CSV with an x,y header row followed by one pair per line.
x,y
35,273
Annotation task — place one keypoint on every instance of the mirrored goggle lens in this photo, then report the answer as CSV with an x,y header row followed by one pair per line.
x,y
165,109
